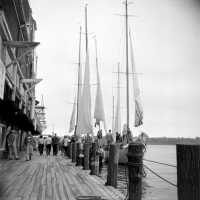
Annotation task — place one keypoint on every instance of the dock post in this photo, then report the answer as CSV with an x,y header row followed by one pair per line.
x,y
73,151
86,151
188,171
113,165
94,160
78,152
70,150
135,167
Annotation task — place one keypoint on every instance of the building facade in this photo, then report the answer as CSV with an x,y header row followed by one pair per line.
x,y
17,70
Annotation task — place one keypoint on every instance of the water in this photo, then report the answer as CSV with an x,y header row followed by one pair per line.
x,y
153,187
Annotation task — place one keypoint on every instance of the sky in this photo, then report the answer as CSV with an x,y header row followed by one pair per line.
x,y
166,50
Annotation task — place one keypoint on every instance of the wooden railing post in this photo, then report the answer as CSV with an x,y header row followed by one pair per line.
x,y
73,151
188,171
113,165
135,171
94,159
86,151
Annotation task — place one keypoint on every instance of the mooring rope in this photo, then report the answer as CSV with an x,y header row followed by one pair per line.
x,y
164,179
161,163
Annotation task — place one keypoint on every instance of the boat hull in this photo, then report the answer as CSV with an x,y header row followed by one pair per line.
x,y
123,159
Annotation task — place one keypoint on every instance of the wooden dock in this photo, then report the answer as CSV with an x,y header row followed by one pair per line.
x,y
50,178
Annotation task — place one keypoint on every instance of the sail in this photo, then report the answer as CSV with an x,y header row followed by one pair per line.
x,y
72,119
99,113
117,122
84,124
138,105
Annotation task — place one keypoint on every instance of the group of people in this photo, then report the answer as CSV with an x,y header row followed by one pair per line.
x,y
11,140
46,143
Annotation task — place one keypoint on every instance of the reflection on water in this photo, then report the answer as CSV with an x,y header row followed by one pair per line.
x,y
153,187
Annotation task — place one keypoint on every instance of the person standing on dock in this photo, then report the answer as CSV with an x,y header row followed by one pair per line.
x,y
48,142
100,149
109,138
55,142
12,145
41,145
29,142
65,145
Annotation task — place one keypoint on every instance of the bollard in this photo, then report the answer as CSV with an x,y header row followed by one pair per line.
x,y
113,165
94,160
73,151
86,149
188,171
135,167
78,152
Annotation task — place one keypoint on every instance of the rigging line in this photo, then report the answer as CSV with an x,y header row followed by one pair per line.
x,y
164,179
170,165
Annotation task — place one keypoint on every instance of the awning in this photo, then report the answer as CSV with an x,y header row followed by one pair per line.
x,y
10,114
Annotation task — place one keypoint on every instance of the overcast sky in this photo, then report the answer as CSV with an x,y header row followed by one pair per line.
x,y
166,46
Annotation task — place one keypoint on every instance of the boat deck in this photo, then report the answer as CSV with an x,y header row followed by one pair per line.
x,y
50,178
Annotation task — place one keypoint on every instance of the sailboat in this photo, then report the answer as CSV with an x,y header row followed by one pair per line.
x,y
76,105
84,117
136,91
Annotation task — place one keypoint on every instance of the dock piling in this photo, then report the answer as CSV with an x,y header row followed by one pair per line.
x,y
78,152
73,152
94,159
135,167
70,150
188,171
113,165
86,150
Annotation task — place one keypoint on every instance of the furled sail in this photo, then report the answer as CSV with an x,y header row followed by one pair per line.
x,y
73,115
117,122
99,113
84,124
138,105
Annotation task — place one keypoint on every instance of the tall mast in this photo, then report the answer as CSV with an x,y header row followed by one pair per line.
x,y
113,113
79,67
127,66
86,30
95,40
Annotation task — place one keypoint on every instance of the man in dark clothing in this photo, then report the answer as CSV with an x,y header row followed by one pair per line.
x,y
55,142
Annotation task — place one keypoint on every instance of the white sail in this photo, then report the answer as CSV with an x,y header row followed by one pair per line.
x,y
72,119
84,124
117,122
138,105
99,113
